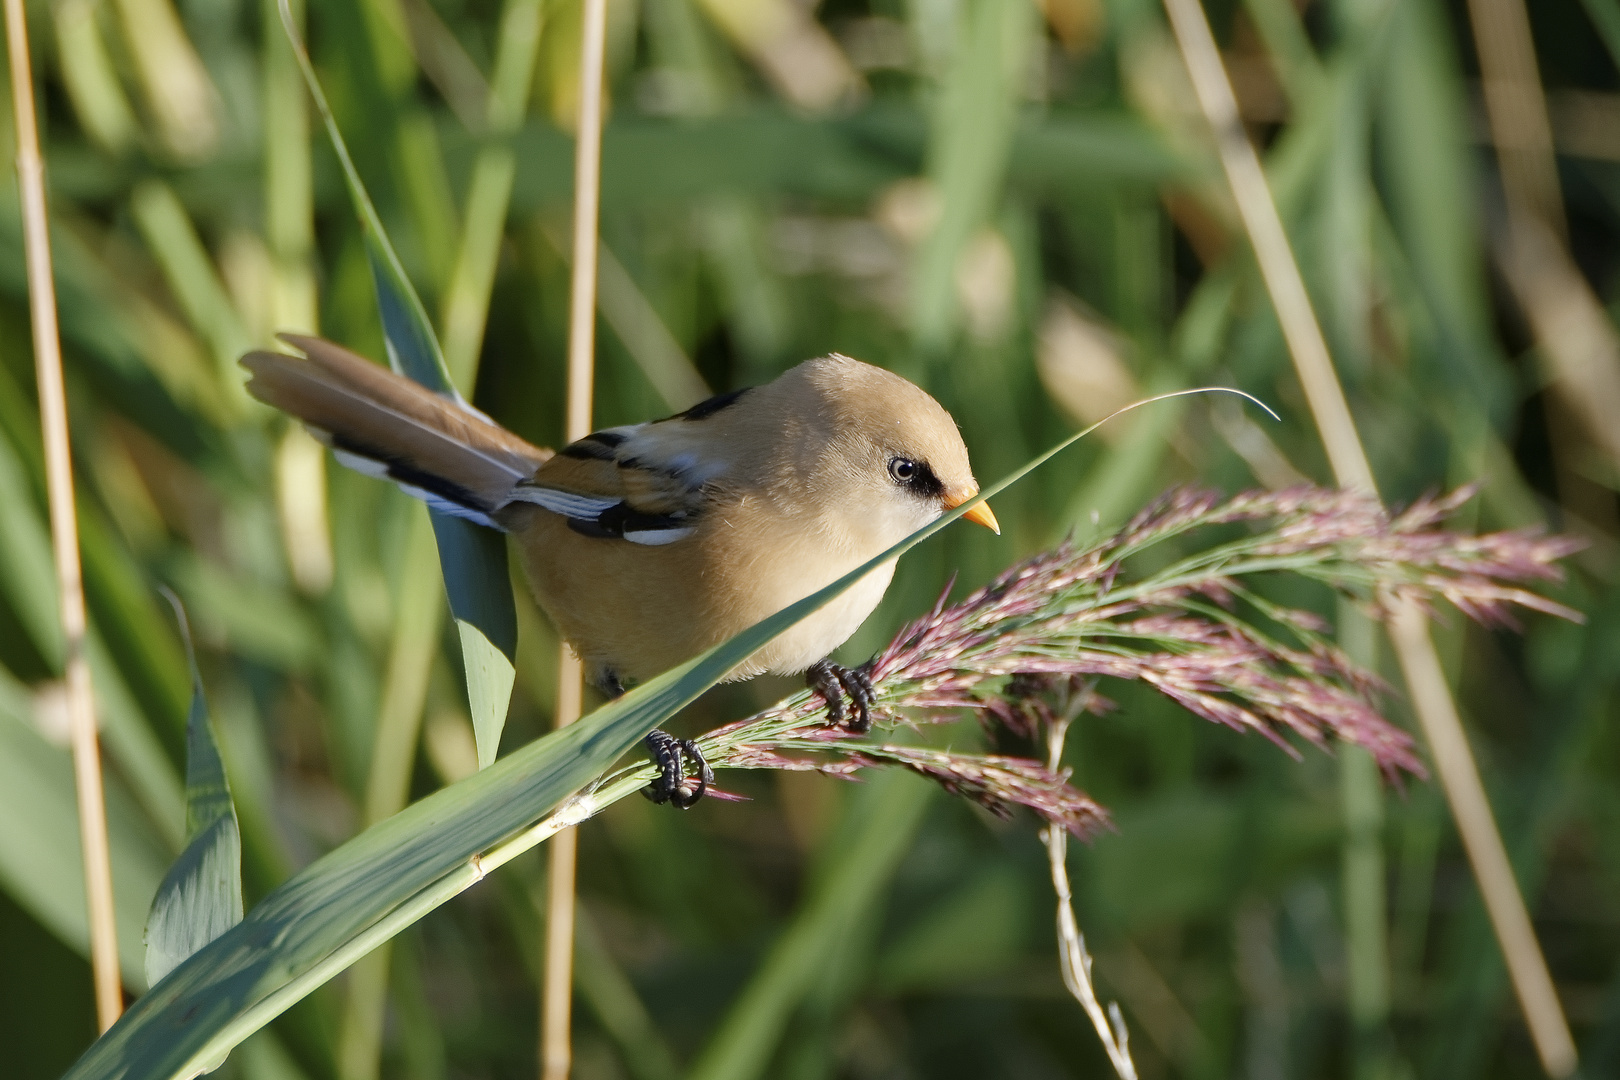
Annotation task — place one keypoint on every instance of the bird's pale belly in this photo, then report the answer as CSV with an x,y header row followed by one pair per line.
x,y
635,611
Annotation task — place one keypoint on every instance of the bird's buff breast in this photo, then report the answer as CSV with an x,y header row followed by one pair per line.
x,y
637,611
815,636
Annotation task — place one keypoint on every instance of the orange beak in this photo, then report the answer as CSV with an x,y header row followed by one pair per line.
x,y
980,514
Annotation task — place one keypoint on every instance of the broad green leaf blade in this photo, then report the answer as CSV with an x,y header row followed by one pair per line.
x,y
352,900
473,559
309,929
490,674
846,159
475,578
200,898
201,895
413,350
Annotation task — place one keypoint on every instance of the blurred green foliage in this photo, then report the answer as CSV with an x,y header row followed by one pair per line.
x,y
1016,206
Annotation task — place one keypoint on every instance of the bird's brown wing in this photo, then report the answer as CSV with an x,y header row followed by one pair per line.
x,y
389,426
608,485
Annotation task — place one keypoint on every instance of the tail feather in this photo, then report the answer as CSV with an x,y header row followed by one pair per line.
x,y
387,425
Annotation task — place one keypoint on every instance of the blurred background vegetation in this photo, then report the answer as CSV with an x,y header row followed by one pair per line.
x,y
1019,207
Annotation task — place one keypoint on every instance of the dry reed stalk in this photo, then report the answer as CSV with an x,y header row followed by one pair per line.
x,y
1578,342
1408,628
557,974
1073,957
64,530
556,996
1517,110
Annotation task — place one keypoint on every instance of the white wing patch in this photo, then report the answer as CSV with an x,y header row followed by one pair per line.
x,y
567,503
658,537
445,506
358,462
589,508
372,467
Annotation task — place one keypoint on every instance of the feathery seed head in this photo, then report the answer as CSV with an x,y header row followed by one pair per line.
x,y
1027,652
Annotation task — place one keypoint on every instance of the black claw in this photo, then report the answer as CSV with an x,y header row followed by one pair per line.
x,y
688,792
665,752
857,683
672,785
822,678
833,681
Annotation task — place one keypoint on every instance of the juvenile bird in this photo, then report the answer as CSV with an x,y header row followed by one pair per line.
x,y
648,544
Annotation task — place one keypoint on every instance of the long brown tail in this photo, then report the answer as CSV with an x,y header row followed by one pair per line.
x,y
386,425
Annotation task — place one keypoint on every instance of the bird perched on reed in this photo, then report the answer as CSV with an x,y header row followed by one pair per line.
x,y
648,544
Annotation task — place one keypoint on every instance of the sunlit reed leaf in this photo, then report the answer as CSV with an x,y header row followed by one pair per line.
x,y
90,78
177,85
973,126
189,269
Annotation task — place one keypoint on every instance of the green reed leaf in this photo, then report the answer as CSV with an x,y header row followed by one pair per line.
x,y
473,558
201,895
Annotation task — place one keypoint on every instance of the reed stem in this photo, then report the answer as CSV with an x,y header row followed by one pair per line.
x,y
1408,628
64,530
556,1052
1073,957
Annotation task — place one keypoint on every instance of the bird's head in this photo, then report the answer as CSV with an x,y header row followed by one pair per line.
x,y
889,453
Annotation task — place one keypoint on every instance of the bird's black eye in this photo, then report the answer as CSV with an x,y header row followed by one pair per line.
x,y
903,471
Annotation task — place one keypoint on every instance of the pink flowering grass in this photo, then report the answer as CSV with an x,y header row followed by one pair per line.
x,y
1037,644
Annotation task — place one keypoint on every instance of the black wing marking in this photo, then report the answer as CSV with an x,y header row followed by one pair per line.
x,y
623,522
443,495
597,446
607,518
705,409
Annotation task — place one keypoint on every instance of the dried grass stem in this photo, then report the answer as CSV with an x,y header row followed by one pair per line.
x,y
1431,696
64,530
1073,956
556,997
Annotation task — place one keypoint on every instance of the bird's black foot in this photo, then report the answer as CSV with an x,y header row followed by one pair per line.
x,y
833,681
672,755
